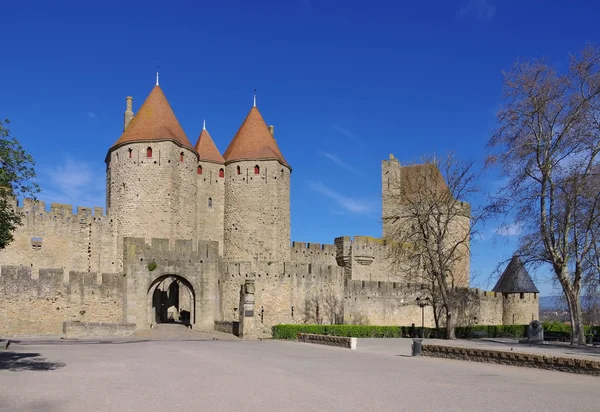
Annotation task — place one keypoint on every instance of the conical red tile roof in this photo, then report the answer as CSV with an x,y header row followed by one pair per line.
x,y
205,146
253,141
154,121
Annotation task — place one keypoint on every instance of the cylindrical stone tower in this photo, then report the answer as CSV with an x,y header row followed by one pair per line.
x,y
257,195
151,177
210,175
520,303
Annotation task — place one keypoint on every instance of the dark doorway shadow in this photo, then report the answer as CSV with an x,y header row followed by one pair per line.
x,y
17,361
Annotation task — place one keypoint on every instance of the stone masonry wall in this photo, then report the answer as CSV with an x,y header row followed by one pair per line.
x,y
197,265
257,212
58,238
520,309
367,258
285,293
384,303
390,175
316,253
152,197
211,203
479,307
39,306
392,179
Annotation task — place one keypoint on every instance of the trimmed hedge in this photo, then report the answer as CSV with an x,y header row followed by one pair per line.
x,y
291,331
370,331
353,331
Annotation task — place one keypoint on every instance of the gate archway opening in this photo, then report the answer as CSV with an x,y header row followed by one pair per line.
x,y
172,299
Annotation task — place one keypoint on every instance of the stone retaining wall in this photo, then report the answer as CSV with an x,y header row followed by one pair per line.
x,y
228,327
97,329
572,365
339,341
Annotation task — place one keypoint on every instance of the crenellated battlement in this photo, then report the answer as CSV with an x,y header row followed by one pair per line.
x,y
52,282
285,272
303,247
485,294
316,253
137,249
33,209
382,288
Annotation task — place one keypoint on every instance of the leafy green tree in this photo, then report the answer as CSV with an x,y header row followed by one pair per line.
x,y
16,180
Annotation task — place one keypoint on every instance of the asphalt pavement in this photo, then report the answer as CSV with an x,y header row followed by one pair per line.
x,y
217,375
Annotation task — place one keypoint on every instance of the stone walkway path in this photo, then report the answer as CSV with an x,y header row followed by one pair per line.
x,y
402,346
166,331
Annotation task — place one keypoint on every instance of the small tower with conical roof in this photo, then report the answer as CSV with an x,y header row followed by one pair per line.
x,y
210,175
520,303
257,195
151,176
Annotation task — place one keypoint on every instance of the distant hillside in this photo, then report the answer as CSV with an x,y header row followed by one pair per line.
x,y
558,302
552,302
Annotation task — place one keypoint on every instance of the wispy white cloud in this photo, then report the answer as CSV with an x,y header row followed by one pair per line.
x,y
341,163
349,204
73,182
91,115
478,9
511,229
346,133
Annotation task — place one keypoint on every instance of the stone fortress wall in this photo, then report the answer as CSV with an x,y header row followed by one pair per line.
x,y
38,305
196,265
55,237
210,202
257,211
152,192
207,227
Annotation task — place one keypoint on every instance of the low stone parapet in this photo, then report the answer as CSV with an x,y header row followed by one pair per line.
x,y
228,327
74,329
339,341
563,364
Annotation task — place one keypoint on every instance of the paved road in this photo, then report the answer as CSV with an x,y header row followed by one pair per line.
x,y
273,376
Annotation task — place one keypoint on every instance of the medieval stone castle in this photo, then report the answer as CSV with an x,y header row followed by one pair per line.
x,y
201,238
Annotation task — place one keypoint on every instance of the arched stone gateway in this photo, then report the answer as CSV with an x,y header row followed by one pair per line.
x,y
171,283
171,299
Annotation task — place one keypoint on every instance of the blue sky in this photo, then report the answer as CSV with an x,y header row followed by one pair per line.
x,y
344,83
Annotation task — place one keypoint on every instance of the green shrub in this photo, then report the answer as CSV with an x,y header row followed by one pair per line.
x,y
354,331
491,331
372,331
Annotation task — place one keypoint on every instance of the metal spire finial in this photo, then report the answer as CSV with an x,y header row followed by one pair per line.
x,y
157,66
254,96
204,125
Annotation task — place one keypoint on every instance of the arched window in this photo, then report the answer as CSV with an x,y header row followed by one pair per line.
x,y
130,153
239,170
149,152
221,173
210,202
199,170
256,170
181,157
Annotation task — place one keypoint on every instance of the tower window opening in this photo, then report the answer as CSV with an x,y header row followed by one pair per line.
x,y
130,153
210,202
199,170
256,170
221,173
239,170
181,157
149,152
